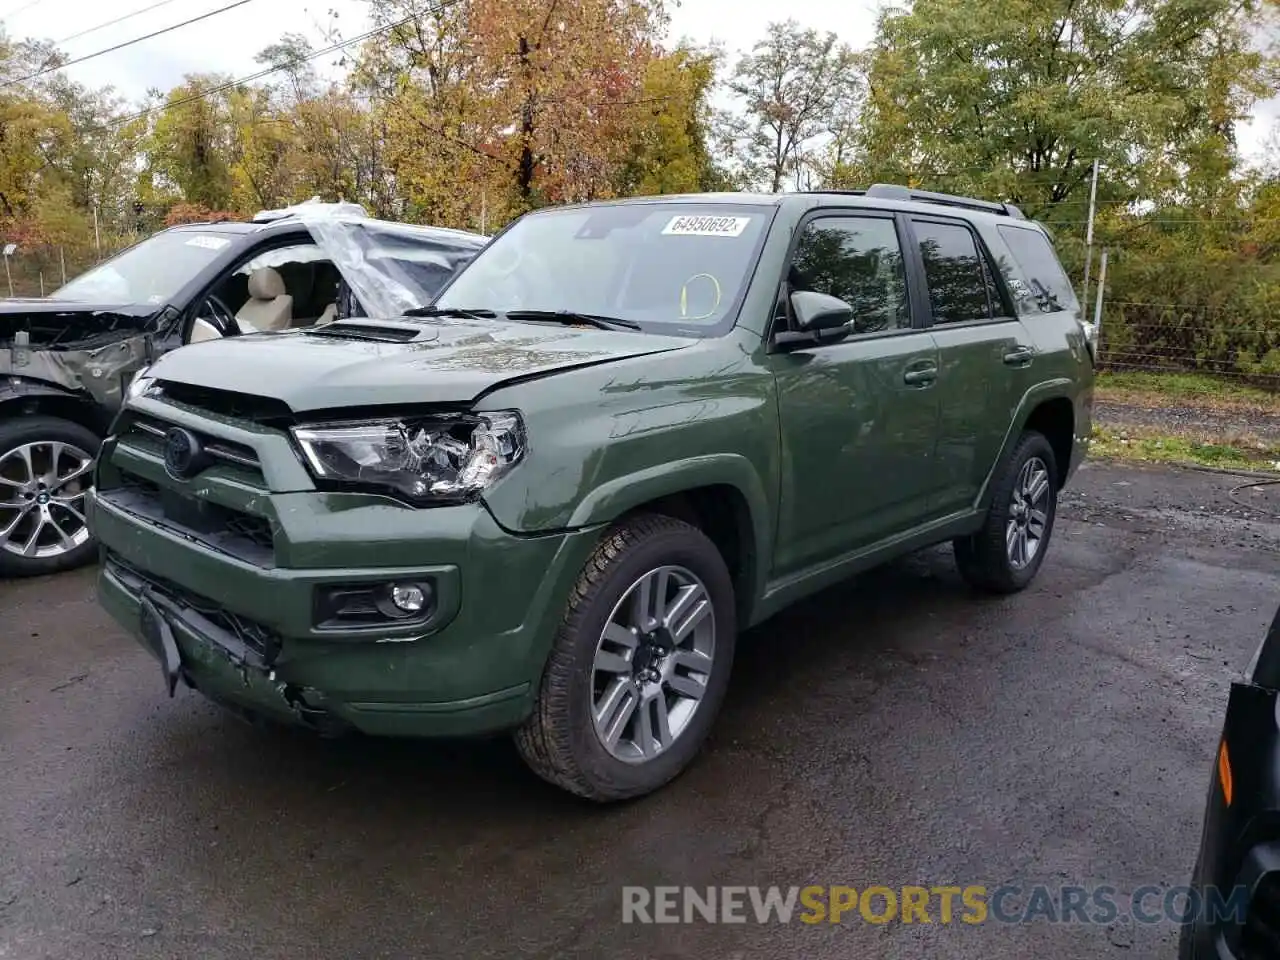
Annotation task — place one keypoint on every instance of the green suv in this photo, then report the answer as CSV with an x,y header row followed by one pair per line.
x,y
548,502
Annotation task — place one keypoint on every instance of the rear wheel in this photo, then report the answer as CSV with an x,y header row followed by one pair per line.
x,y
46,469
1005,555
639,666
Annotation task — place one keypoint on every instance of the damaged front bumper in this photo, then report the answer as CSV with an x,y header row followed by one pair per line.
x,y
248,638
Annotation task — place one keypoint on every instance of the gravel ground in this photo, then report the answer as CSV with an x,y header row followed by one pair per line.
x,y
895,730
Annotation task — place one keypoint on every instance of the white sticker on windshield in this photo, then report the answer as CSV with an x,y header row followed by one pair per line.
x,y
208,242
706,226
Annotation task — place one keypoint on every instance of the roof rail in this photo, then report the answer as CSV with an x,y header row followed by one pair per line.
x,y
893,191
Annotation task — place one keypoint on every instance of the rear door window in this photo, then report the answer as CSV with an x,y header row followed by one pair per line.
x,y
1036,278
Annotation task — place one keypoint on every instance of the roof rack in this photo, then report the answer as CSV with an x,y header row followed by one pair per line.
x,y
892,191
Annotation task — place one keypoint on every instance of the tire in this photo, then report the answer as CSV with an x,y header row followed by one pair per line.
x,y
984,559
67,543
560,740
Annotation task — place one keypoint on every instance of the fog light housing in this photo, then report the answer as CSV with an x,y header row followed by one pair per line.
x,y
408,598
355,606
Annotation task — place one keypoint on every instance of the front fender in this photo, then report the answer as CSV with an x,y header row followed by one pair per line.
x,y
19,395
614,498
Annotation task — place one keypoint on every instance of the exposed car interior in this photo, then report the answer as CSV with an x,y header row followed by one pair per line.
x,y
280,289
269,307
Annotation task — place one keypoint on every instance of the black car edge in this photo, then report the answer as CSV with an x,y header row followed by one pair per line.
x,y
1234,907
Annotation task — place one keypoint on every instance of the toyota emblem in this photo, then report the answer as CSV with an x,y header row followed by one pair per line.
x,y
183,454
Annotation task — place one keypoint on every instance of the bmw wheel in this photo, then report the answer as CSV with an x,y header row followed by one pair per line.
x,y
46,470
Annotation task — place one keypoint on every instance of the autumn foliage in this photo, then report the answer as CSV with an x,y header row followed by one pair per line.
x,y
467,113
181,213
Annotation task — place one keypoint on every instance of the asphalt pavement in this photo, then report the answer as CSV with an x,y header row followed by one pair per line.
x,y
896,731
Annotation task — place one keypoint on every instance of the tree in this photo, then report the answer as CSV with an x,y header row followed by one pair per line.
x,y
192,140
1014,99
791,85
509,104
670,128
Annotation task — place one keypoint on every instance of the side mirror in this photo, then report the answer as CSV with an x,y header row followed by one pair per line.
x,y
821,319
817,311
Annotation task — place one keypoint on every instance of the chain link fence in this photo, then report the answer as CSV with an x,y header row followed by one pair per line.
x,y
1243,346
39,270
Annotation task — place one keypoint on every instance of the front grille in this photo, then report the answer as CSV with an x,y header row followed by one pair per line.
x,y
261,640
218,449
242,535
226,403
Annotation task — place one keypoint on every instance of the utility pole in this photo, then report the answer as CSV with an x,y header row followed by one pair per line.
x,y
97,238
1097,302
9,250
1088,240
484,211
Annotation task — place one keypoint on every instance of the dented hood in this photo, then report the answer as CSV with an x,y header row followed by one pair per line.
x,y
379,363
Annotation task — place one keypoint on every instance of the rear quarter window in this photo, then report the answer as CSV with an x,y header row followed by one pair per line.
x,y
1035,277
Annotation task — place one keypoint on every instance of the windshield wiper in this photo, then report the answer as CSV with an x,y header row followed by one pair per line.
x,y
480,314
569,318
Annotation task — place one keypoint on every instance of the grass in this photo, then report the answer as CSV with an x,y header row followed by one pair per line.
x,y
1142,389
1133,443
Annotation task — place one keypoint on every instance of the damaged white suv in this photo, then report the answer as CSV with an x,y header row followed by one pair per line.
x,y
66,361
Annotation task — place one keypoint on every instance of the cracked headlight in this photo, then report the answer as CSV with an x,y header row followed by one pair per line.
x,y
425,459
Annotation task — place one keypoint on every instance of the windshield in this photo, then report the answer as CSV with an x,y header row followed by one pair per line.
x,y
153,271
675,268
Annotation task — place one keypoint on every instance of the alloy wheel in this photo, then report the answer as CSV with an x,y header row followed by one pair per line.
x,y
652,663
42,494
1028,513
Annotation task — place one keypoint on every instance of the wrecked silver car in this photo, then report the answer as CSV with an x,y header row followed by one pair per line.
x,y
66,361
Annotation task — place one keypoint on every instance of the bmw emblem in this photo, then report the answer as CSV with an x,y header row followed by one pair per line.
x,y
183,454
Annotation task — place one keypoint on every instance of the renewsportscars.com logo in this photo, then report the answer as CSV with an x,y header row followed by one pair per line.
x,y
973,904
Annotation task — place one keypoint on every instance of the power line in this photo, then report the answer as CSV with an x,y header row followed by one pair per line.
x,y
112,23
231,84
127,43
26,6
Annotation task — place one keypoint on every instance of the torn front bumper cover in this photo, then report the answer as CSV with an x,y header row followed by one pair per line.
x,y
231,668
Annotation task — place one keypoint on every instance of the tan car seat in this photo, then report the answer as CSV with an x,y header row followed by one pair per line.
x,y
269,307
202,330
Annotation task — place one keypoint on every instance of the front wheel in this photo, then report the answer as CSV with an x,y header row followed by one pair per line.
x,y
639,666
46,468
1005,555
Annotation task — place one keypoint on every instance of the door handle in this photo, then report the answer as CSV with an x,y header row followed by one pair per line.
x,y
921,377
1020,357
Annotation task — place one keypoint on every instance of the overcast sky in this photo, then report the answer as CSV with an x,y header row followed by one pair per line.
x,y
227,42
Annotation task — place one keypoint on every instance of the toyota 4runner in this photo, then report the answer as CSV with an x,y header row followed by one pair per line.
x,y
548,502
